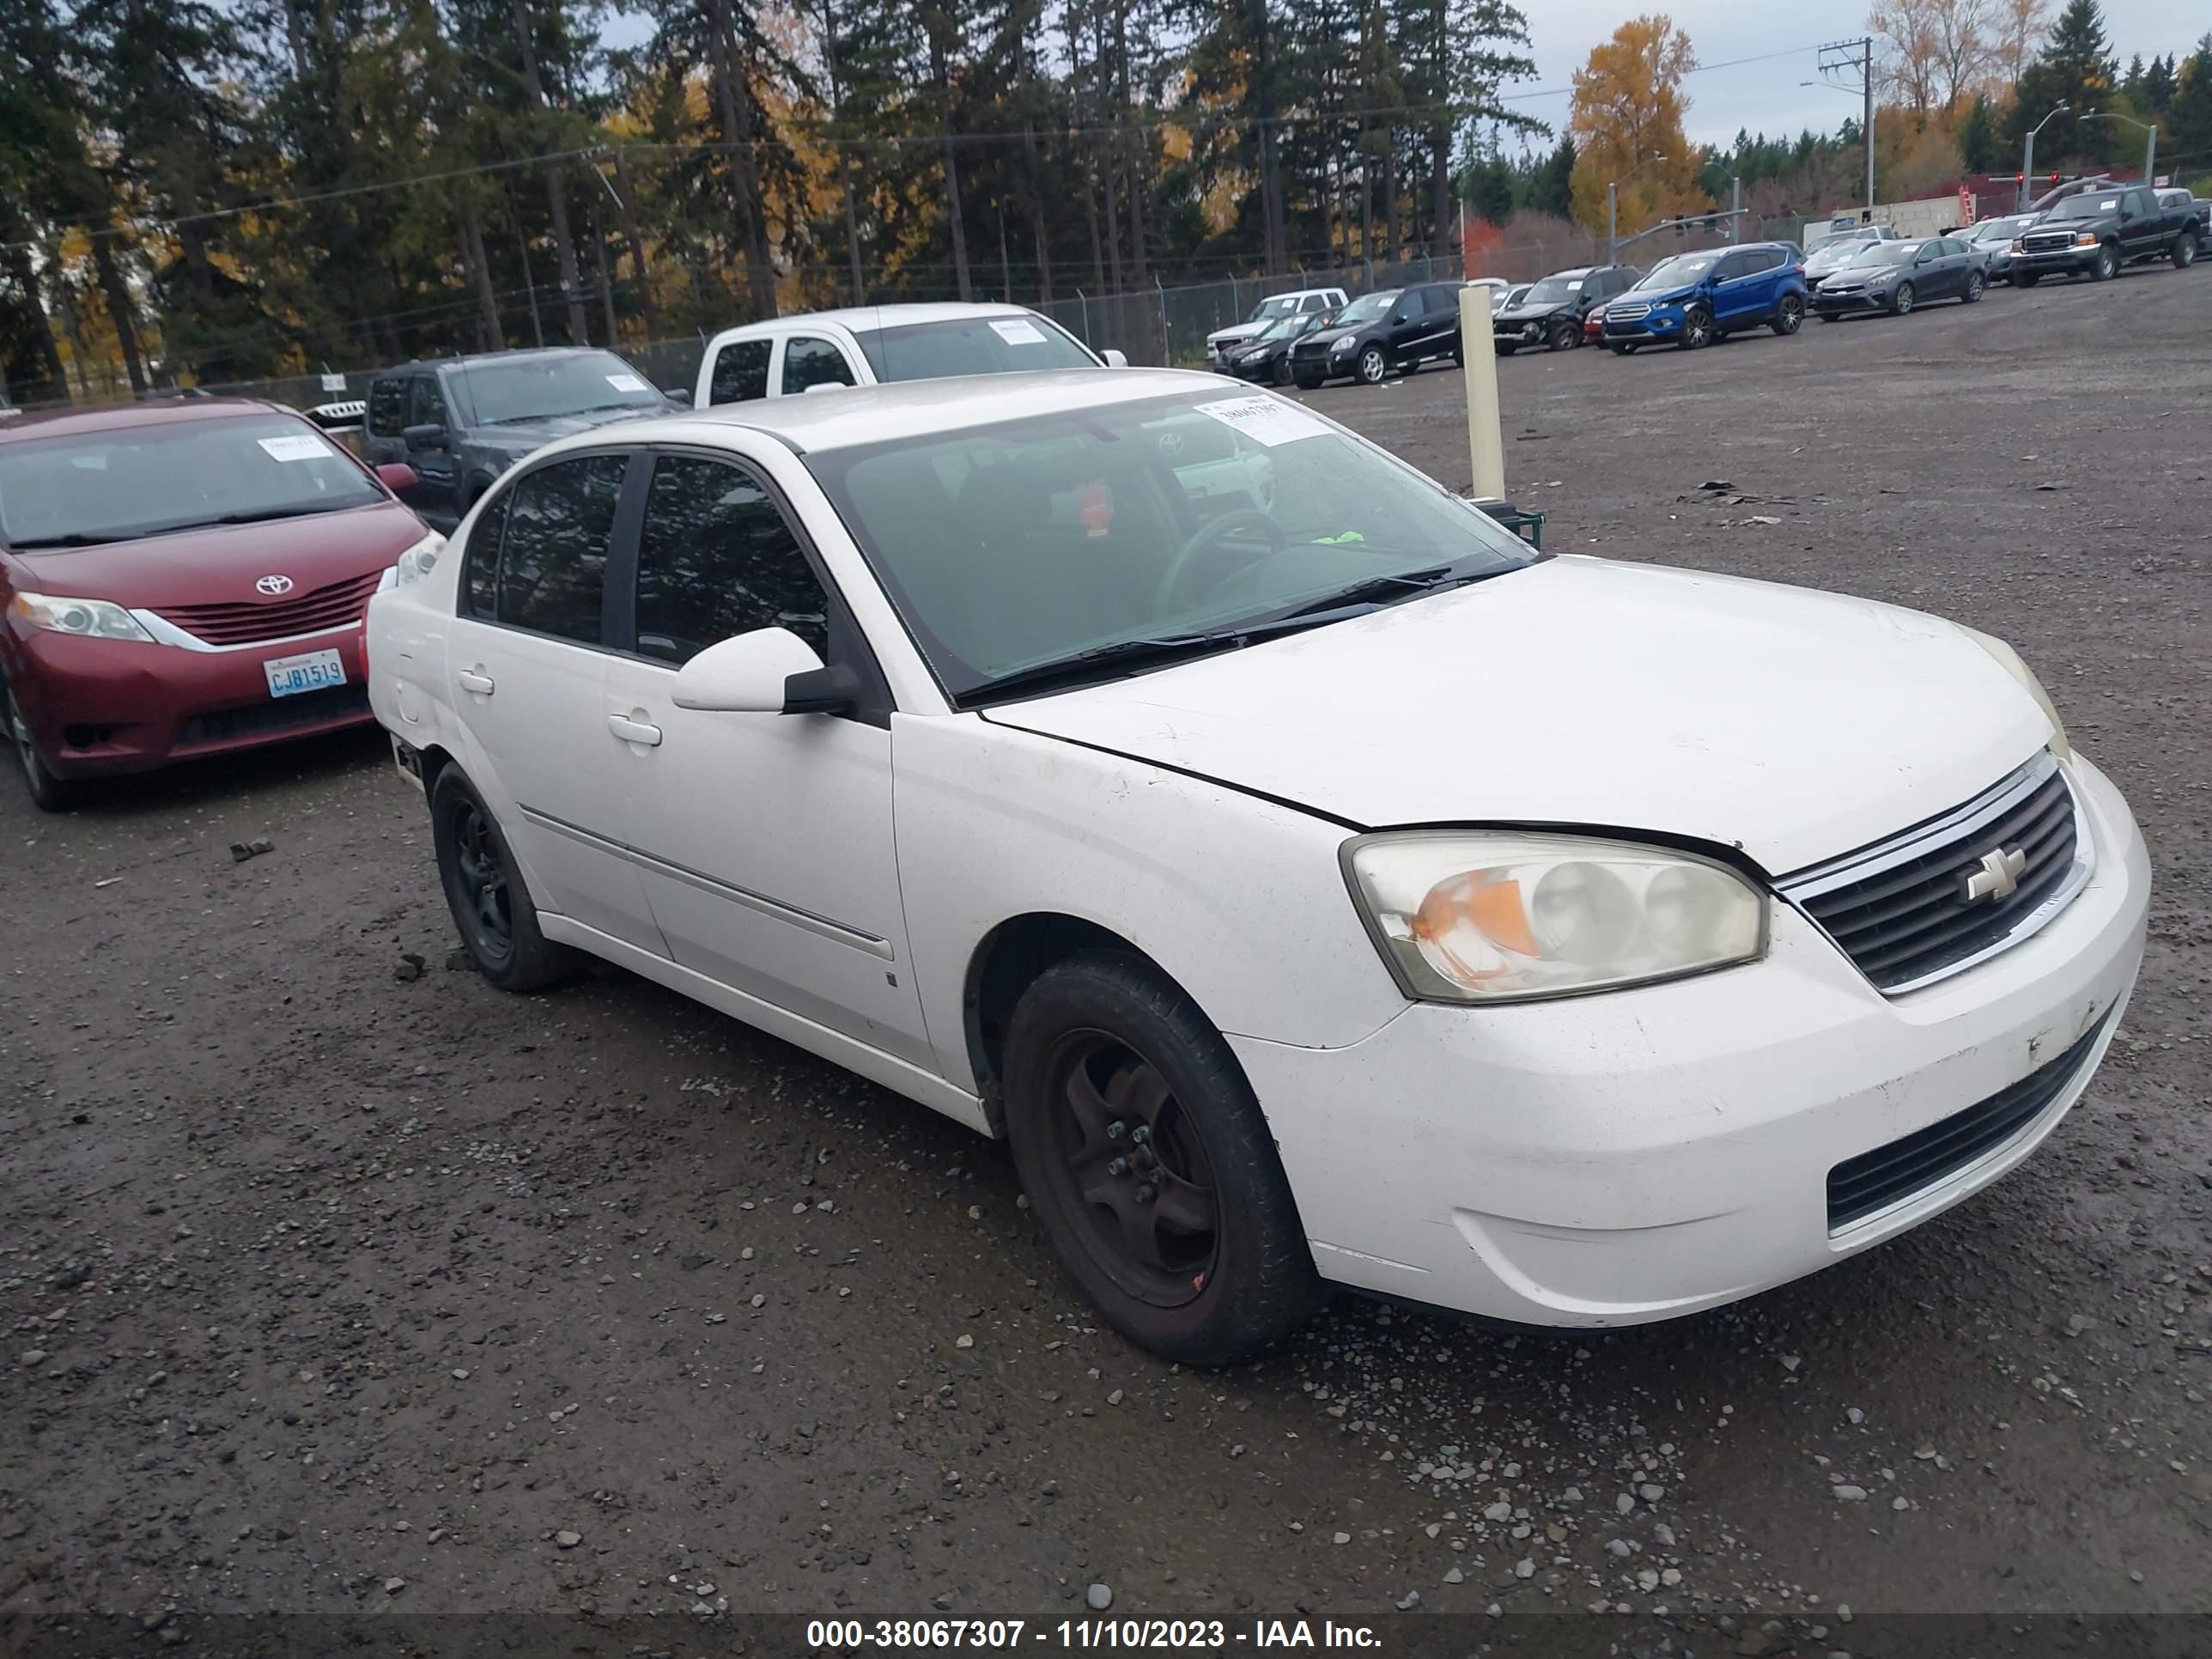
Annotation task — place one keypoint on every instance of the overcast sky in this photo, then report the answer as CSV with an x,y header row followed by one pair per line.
x,y
1761,96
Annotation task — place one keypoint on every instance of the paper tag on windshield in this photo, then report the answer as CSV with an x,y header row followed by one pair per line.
x,y
1265,420
625,383
300,448
1016,330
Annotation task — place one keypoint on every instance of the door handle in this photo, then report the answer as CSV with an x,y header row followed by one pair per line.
x,y
476,680
630,730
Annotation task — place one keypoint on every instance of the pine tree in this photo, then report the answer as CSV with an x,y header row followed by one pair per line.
x,y
1978,138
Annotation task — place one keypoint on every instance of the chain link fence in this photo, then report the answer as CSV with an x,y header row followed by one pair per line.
x,y
1157,327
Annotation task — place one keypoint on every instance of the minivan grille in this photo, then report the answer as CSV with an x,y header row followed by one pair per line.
x,y
1874,1180
1929,900
334,605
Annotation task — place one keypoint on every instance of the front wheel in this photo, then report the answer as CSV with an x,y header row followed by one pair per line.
x,y
2025,278
2184,251
48,793
490,905
1790,315
1308,382
1563,335
2107,265
1829,316
1902,302
1146,1156
1373,365
1620,348
1697,329
1506,348
1974,286
1282,371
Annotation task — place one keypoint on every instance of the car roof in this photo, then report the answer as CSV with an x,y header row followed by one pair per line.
x,y
908,315
853,416
469,359
112,417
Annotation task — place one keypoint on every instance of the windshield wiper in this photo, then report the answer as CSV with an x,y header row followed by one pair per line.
x,y
1373,589
75,538
259,515
1084,664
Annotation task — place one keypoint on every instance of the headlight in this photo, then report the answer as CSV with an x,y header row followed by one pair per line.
x,y
2011,661
98,619
416,563
2085,239
1342,345
1469,916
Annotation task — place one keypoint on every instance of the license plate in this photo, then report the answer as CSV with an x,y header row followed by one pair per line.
x,y
311,671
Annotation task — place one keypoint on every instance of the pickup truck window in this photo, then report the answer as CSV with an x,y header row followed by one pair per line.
x,y
810,361
387,408
740,372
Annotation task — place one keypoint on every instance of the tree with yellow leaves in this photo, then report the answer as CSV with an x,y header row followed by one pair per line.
x,y
1626,119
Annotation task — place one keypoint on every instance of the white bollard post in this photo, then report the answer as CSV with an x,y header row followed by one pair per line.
x,y
1486,435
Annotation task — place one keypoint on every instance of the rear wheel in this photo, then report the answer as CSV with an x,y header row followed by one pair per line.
x,y
1973,291
1146,1156
1788,316
1373,365
2107,265
491,907
48,793
1902,302
1697,329
2184,251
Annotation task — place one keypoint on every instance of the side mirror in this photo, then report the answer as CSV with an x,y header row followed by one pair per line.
x,y
426,436
751,674
1115,359
397,476
682,394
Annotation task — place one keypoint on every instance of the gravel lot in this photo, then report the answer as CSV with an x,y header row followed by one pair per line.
x,y
336,1289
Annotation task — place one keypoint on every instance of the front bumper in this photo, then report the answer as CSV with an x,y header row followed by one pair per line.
x,y
1519,333
2064,262
1826,304
1634,1156
1662,324
98,707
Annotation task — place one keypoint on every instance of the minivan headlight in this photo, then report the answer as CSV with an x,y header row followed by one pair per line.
x,y
98,619
416,563
2012,663
1473,916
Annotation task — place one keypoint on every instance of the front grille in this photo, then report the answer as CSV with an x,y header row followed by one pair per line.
x,y
334,605
1627,313
1874,1180
1903,910
293,713
2047,241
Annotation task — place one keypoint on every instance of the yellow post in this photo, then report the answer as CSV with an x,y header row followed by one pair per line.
x,y
1486,435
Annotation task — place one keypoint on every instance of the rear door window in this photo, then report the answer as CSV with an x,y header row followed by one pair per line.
x,y
810,361
740,372
553,555
387,408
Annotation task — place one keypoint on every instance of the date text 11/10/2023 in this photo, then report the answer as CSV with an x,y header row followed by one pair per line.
x,y
856,1635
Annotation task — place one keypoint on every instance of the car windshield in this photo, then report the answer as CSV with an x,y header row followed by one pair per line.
x,y
1833,254
1554,291
1283,327
1995,230
534,388
970,345
137,481
2088,205
1678,271
1166,522
1281,306
1885,253
1367,306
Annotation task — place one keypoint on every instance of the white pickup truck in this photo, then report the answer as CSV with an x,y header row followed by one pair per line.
x,y
1221,341
870,345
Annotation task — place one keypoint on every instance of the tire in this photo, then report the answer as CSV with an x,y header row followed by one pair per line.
x,y
2183,252
1308,382
1459,357
1697,329
49,794
1100,1049
1506,350
1829,316
1788,316
1975,284
1563,336
1618,348
1283,371
1902,302
1373,367
491,907
2107,265
2025,278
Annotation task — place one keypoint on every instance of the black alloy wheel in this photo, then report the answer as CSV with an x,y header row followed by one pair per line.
x,y
1790,315
1697,329
491,905
480,862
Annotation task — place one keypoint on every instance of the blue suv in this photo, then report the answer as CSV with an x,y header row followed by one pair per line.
x,y
1695,299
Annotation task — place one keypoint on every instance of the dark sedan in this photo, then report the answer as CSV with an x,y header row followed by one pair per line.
x,y
1267,355
1897,277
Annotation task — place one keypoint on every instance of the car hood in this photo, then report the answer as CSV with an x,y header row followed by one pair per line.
x,y
1519,315
1664,296
1793,723
1859,276
525,436
1233,333
220,565
1329,337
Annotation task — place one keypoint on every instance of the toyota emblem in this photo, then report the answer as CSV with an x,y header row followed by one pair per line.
x,y
273,586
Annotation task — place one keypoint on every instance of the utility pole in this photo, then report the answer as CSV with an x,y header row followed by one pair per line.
x,y
1611,223
2027,158
1857,54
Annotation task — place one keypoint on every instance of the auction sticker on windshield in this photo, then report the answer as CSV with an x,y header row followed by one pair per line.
x,y
1265,420
1018,330
625,383
300,448
311,671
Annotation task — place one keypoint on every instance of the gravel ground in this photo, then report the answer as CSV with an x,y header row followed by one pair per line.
x,y
335,1287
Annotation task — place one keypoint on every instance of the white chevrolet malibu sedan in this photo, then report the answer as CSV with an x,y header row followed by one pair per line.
x,y
1311,881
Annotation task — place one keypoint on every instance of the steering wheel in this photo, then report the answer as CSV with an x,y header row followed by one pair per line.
x,y
1212,531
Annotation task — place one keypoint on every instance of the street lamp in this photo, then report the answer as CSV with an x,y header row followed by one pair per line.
x,y
2150,141
1612,206
2027,157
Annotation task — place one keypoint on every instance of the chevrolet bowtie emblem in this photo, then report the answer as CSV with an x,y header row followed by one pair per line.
x,y
1998,875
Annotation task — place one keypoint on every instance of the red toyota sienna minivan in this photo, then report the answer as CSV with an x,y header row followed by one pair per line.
x,y
183,577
